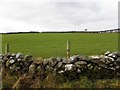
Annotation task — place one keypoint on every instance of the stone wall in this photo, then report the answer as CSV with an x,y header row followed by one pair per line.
x,y
97,67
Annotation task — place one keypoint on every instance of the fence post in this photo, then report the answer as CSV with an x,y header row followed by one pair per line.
x,y
6,48
68,50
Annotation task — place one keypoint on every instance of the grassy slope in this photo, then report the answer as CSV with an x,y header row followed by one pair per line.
x,y
54,44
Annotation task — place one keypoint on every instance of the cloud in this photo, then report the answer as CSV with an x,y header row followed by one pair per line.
x,y
41,15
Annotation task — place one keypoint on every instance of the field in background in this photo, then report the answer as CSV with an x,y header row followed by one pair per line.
x,y
54,44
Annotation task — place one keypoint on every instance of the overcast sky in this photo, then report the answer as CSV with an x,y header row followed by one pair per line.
x,y
59,15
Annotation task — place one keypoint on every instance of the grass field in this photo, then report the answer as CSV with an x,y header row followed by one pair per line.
x,y
54,44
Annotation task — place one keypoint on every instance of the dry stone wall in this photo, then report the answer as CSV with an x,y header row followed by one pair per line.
x,y
99,66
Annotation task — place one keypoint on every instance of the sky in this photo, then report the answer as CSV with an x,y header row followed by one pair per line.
x,y
58,15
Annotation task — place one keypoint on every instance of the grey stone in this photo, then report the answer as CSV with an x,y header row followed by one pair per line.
x,y
118,60
94,57
59,64
13,54
32,68
21,63
107,60
11,61
113,55
19,59
118,74
1,59
119,54
11,57
64,60
111,59
80,63
39,69
45,62
59,59
111,65
70,67
90,66
60,72
53,61
104,66
96,68
48,68
73,59
18,55
117,67
112,68
99,68
79,71
28,58
107,53
5,58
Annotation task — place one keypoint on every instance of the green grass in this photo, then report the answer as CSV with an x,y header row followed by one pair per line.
x,y
54,44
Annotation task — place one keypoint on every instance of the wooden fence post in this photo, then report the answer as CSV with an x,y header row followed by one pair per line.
x,y
6,48
68,50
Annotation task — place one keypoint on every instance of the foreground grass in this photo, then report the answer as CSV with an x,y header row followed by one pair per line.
x,y
11,81
86,83
54,44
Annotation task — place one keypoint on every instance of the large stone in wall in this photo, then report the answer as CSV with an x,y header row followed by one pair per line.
x,y
19,55
73,59
59,65
10,62
32,68
107,53
27,63
39,70
96,57
52,61
70,67
64,60
28,58
80,64
49,68
90,66
118,60
114,55
45,61
107,60
59,59
19,65
1,58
